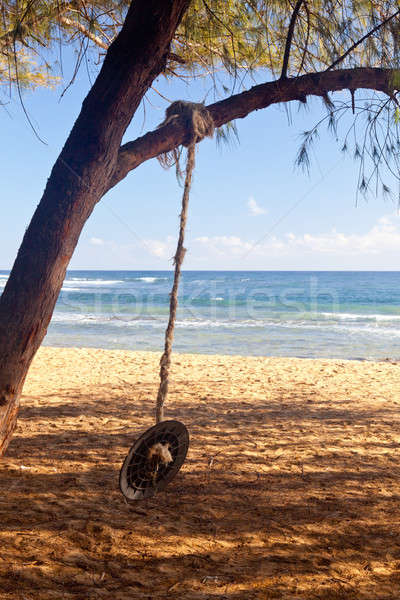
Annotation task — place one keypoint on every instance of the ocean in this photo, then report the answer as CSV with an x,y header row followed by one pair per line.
x,y
352,315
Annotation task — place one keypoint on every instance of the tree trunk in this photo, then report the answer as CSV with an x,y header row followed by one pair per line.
x,y
78,180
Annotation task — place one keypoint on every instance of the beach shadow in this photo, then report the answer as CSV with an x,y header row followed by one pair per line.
x,y
275,500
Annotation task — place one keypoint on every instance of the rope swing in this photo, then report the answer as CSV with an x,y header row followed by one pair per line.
x,y
159,453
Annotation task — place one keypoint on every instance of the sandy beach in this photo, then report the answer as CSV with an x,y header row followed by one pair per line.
x,y
291,488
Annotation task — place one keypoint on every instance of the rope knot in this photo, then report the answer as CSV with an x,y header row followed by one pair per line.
x,y
179,255
198,123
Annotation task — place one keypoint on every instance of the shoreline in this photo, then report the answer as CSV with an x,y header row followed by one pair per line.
x,y
209,354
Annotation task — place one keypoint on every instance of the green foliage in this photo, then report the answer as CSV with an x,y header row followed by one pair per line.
x,y
228,41
252,34
233,37
227,134
33,31
395,82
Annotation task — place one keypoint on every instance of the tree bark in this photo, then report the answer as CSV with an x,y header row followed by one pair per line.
x,y
78,180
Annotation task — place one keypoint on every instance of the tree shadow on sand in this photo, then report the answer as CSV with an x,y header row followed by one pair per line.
x,y
276,500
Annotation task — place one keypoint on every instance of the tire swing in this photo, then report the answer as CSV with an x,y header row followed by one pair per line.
x,y
158,454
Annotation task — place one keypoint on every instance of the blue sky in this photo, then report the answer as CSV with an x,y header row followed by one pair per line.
x,y
250,207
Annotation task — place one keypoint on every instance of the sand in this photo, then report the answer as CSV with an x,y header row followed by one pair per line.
x,y
291,488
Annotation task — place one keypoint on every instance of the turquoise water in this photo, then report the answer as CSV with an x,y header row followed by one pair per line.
x,y
304,314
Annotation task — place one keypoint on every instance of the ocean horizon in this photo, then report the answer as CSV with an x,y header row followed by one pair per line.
x,y
304,314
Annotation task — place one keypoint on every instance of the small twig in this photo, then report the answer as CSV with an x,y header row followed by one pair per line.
x,y
361,40
176,58
394,99
160,94
67,22
353,108
305,50
289,39
212,13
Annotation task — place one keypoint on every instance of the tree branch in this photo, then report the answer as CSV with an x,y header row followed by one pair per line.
x,y
176,58
305,50
289,38
76,26
165,139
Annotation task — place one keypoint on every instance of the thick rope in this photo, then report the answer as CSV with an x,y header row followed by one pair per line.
x,y
165,361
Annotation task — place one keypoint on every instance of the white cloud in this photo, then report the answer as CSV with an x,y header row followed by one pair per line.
x,y
160,248
96,241
254,208
156,248
221,245
230,245
382,237
377,247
